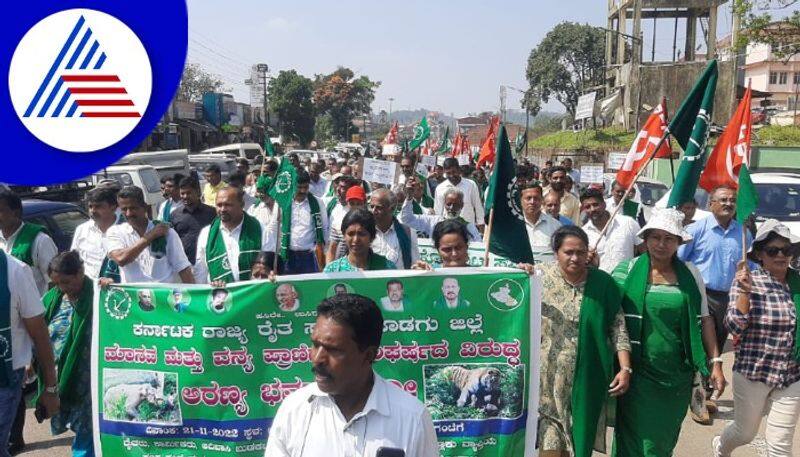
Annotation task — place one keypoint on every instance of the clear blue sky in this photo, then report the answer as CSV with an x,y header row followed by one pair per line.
x,y
441,55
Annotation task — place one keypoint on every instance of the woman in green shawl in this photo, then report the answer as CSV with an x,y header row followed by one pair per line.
x,y
68,312
663,301
582,331
358,228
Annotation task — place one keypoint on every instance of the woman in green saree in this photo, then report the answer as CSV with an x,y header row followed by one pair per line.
x,y
663,301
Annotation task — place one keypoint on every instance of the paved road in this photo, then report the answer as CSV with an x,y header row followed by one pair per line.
x,y
695,440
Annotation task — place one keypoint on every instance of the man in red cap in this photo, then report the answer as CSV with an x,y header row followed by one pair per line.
x,y
355,197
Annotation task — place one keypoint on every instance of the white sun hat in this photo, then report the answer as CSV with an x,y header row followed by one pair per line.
x,y
669,220
771,226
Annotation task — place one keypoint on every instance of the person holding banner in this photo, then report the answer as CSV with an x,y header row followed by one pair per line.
x,y
451,240
666,314
68,313
146,251
762,316
349,410
359,230
393,240
453,203
583,329
472,206
227,248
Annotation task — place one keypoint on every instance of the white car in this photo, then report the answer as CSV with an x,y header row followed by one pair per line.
x,y
250,151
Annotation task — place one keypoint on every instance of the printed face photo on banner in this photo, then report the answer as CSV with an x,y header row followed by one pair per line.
x,y
220,301
145,300
287,297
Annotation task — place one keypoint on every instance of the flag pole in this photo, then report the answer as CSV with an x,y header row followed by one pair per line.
x,y
671,162
278,240
630,188
487,237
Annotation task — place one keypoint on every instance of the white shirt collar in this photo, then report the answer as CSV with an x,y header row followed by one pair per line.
x,y
235,230
377,401
13,235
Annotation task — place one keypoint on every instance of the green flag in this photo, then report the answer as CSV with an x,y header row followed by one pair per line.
x,y
446,144
509,237
519,142
746,196
268,147
421,133
284,186
690,129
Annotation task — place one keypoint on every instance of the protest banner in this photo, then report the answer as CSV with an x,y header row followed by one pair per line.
x,y
592,173
475,251
422,169
193,370
379,171
463,159
428,161
615,160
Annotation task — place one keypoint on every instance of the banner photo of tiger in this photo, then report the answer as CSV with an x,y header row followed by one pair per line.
x,y
474,391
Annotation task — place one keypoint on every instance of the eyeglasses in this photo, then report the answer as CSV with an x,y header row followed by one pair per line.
x,y
773,251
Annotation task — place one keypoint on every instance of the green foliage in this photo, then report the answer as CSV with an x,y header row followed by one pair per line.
x,y
170,384
343,97
569,59
117,409
776,135
290,96
441,395
195,82
600,139
782,36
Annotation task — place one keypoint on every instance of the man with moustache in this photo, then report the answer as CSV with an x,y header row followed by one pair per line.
x,y
349,409
620,240
539,225
570,205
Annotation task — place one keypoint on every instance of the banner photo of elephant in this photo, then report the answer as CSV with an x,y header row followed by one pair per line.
x,y
198,370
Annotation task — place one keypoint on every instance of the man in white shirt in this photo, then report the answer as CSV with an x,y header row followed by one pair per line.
x,y
90,239
237,180
473,206
23,331
349,410
146,252
309,230
453,202
26,241
170,190
318,184
393,240
620,240
539,225
229,227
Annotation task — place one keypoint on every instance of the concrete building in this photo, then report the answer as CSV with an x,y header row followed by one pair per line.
x,y
779,77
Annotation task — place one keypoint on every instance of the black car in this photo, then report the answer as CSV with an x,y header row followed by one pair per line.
x,y
59,218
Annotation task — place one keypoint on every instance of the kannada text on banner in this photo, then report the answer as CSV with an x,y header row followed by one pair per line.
x,y
193,370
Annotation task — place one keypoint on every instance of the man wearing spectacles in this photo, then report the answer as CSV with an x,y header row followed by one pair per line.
x,y
715,249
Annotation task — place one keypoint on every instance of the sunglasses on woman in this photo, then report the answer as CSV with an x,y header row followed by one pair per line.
x,y
773,251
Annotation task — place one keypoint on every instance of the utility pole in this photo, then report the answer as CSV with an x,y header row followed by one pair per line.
x,y
390,110
262,73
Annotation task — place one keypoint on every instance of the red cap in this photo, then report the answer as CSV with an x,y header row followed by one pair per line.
x,y
355,193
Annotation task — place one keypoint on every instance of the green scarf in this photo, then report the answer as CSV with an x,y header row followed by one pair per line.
x,y
23,244
793,281
78,337
219,268
286,225
404,240
594,364
109,268
634,291
158,248
166,211
263,183
7,370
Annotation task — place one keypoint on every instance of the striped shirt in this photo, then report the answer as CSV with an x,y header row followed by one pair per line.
x,y
765,336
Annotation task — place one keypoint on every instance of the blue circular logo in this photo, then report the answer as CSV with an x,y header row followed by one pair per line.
x,y
87,82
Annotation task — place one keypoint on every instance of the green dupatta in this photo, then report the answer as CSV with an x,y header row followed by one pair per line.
x,y
78,336
219,265
635,289
793,281
594,364
23,243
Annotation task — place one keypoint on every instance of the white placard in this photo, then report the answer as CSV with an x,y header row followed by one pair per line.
x,y
585,108
422,169
591,173
390,149
429,161
379,171
463,159
615,160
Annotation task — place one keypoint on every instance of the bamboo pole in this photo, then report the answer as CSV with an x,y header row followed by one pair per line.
x,y
487,237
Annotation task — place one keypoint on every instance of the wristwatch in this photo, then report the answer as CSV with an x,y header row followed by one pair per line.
x,y
714,360
51,389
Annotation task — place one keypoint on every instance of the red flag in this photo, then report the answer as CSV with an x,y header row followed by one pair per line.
x,y
487,149
426,149
458,142
391,137
731,151
644,145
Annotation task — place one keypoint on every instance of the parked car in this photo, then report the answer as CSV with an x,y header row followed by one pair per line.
x,y
166,163
59,218
200,162
250,151
648,191
141,176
